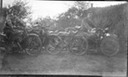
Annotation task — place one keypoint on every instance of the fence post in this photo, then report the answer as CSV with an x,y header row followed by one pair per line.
x,y
1,16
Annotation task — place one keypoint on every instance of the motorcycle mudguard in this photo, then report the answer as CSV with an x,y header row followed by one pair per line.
x,y
33,34
24,42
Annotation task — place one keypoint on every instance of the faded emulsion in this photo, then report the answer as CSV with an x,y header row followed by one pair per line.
x,y
83,40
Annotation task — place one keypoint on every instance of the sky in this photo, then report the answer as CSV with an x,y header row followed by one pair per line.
x,y
53,8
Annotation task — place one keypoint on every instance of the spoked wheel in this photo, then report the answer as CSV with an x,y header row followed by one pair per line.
x,y
34,45
109,46
53,47
78,46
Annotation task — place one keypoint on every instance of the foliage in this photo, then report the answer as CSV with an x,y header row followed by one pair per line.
x,y
72,17
108,16
19,9
115,19
82,7
46,22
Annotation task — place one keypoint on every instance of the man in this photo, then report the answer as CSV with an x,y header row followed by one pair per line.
x,y
12,36
86,26
8,30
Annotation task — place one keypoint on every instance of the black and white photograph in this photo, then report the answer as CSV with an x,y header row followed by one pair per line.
x,y
42,37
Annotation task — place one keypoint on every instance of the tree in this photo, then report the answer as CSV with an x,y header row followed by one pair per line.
x,y
46,22
20,9
83,5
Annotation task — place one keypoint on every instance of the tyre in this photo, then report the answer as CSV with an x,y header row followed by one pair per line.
x,y
34,45
53,47
109,46
78,46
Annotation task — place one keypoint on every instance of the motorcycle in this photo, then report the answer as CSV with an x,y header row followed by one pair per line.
x,y
49,41
29,43
95,40
73,42
104,42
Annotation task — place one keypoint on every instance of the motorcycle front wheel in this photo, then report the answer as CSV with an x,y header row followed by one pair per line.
x,y
109,46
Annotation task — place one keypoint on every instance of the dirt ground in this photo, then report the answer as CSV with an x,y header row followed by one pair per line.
x,y
64,63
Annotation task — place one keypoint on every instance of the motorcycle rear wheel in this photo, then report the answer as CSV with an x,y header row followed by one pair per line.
x,y
53,47
78,46
34,45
